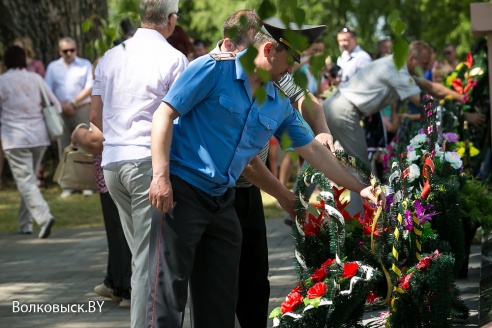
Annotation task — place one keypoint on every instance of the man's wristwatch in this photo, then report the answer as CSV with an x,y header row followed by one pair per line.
x,y
73,104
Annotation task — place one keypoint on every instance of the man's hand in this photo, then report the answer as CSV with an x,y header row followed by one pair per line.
x,y
475,119
288,204
68,109
326,139
369,193
161,194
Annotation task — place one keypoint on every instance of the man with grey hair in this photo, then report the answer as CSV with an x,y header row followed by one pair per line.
x,y
70,79
130,81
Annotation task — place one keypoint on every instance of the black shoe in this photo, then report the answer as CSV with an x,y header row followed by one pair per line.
x,y
46,229
288,221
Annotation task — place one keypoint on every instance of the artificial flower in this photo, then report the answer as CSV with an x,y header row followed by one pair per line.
x,y
438,153
454,159
462,147
450,137
405,281
371,297
318,290
328,263
418,141
420,212
296,289
412,156
366,219
291,301
350,269
313,227
424,263
318,275
407,220
413,172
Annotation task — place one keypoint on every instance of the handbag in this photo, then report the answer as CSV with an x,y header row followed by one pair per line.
x,y
76,168
53,120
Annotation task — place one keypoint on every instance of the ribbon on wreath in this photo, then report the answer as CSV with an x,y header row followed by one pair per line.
x,y
427,172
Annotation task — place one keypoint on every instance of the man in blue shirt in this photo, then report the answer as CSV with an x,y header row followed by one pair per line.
x,y
196,163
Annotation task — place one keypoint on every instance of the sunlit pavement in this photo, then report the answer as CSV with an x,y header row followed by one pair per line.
x,y
58,274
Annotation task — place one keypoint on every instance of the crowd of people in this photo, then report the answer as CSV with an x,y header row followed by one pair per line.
x,y
181,151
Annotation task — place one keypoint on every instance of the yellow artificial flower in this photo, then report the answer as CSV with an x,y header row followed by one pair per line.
x,y
461,149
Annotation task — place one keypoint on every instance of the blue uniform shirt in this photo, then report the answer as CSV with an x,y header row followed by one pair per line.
x,y
221,128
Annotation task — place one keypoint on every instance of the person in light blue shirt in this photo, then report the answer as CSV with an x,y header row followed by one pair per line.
x,y
195,233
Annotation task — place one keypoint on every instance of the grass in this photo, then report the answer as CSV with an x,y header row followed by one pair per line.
x,y
77,211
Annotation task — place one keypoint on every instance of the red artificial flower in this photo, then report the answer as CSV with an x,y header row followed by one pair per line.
x,y
469,60
328,263
470,84
296,289
350,269
405,281
318,275
291,302
313,227
371,297
341,206
317,290
366,220
424,263
457,85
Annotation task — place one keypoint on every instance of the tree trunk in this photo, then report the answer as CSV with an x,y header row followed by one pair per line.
x,y
45,21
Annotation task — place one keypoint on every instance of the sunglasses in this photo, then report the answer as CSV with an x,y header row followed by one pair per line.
x,y
178,16
447,52
66,51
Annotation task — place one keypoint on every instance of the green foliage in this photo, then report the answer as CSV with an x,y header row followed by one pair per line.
x,y
475,201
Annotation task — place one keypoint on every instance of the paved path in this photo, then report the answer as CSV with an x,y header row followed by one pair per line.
x,y
64,268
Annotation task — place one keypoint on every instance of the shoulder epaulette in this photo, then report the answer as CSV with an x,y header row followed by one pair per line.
x,y
220,56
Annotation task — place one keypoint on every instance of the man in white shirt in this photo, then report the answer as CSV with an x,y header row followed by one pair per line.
x,y
130,82
70,79
373,87
353,57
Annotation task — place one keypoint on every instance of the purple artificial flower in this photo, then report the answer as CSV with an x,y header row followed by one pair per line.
x,y
407,221
389,201
450,137
419,212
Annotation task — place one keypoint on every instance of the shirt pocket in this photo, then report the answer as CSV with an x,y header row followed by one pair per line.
x,y
262,132
231,105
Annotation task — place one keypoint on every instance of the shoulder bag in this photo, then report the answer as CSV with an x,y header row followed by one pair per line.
x,y
76,168
53,120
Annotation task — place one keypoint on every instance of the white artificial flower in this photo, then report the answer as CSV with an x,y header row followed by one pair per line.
x,y
418,140
453,158
412,156
414,172
438,151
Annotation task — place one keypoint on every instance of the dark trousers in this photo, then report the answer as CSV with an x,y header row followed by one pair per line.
x,y
198,243
119,271
254,287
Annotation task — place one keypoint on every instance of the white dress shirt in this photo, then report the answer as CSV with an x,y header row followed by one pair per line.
x,y
132,79
351,63
377,85
66,81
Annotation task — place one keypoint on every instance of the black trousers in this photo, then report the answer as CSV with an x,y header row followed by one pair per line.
x,y
200,244
119,271
254,287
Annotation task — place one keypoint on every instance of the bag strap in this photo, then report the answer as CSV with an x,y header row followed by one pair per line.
x,y
46,100
82,125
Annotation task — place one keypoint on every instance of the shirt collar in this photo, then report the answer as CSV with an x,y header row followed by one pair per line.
x,y
147,33
242,75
